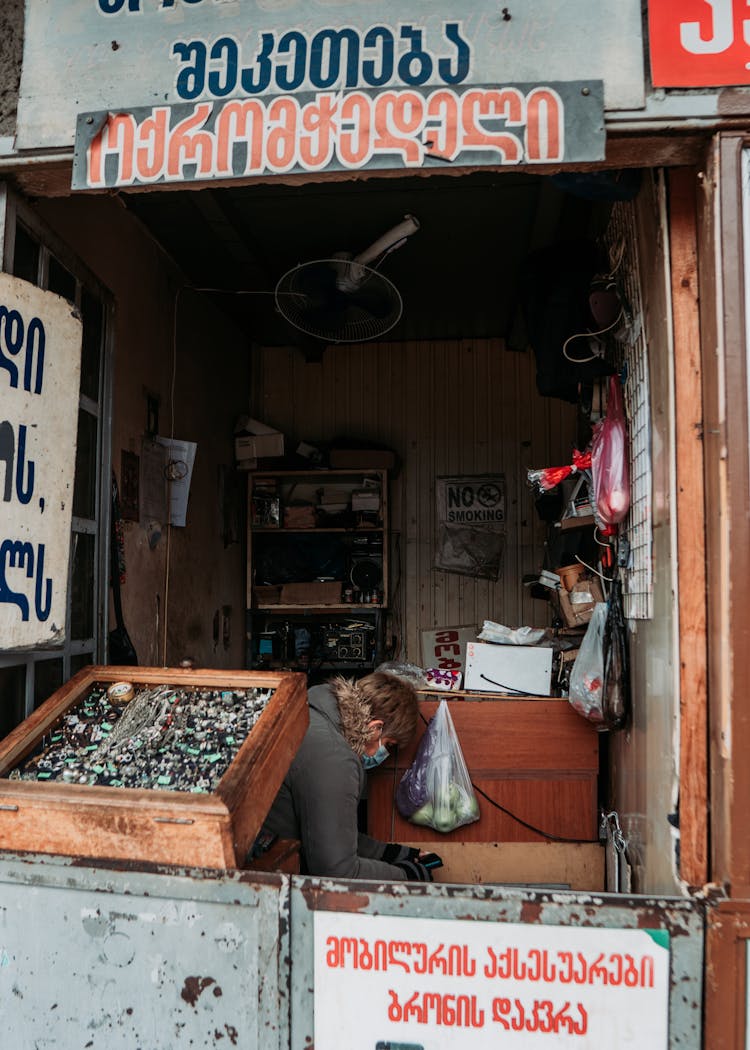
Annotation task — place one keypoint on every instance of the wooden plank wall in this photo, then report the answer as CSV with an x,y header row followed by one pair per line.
x,y
445,408
691,544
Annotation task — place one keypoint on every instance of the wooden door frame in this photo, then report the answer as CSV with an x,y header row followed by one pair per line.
x,y
690,514
726,445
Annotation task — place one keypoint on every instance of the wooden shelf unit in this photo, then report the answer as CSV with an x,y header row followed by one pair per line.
x,y
363,539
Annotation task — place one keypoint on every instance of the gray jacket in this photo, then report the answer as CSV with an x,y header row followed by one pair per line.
x,y
318,800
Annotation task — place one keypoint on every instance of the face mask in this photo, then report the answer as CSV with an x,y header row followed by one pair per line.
x,y
370,761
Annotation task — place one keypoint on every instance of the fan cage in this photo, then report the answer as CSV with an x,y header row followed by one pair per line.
x,y
297,306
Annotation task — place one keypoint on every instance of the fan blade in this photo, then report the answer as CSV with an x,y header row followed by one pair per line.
x,y
370,299
310,298
317,284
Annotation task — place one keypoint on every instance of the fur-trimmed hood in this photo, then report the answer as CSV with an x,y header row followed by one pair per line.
x,y
355,713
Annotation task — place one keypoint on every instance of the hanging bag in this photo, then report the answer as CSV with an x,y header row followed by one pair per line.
x,y
600,682
609,462
121,649
587,676
616,682
436,790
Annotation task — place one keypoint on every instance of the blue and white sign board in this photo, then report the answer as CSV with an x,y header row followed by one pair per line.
x,y
430,984
40,365
86,56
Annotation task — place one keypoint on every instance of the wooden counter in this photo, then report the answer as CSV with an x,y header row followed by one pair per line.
x,y
213,830
536,758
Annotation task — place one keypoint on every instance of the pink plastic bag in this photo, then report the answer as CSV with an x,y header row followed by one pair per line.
x,y
609,461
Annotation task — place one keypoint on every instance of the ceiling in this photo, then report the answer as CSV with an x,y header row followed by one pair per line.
x,y
457,276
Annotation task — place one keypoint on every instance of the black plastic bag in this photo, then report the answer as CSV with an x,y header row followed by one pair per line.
x,y
555,287
616,678
121,651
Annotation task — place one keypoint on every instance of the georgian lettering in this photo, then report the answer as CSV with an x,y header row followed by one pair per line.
x,y
311,133
333,57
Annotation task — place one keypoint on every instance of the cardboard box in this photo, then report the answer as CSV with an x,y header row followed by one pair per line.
x,y
577,604
508,668
256,440
445,647
314,593
267,594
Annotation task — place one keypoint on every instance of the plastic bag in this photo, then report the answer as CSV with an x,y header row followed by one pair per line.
x,y
411,672
499,634
587,676
610,478
436,790
600,682
616,684
548,478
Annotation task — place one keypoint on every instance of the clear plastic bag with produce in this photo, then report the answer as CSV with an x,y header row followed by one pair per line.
x,y
436,790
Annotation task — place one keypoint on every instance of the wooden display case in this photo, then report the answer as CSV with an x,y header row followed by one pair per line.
x,y
213,830
536,758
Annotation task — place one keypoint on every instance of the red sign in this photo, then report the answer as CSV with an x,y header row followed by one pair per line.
x,y
699,43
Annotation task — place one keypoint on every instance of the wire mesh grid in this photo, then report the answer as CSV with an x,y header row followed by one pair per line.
x,y
637,573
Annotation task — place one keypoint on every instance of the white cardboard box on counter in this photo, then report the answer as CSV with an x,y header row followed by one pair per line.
x,y
508,668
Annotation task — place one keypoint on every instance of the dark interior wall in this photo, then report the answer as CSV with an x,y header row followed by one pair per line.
x,y
193,578
446,408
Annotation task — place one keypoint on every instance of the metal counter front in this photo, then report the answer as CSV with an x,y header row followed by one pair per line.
x,y
102,958
112,959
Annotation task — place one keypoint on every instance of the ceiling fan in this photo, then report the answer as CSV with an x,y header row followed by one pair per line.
x,y
345,298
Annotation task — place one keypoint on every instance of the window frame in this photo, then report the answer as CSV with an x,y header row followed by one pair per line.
x,y
15,213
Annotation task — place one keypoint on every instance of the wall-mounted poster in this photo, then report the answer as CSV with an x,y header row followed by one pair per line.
x,y
471,524
40,365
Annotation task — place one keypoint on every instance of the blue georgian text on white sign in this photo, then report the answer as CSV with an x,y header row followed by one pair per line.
x,y
40,362
131,54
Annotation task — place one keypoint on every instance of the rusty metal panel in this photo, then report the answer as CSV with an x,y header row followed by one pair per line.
x,y
101,958
680,918
445,407
727,987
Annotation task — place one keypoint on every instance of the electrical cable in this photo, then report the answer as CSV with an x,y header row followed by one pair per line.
x,y
522,822
507,688
584,335
168,554
507,812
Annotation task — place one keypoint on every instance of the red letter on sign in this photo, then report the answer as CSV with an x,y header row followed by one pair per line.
x,y
699,43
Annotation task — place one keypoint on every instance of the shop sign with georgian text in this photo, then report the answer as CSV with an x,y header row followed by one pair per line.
x,y
182,90
40,364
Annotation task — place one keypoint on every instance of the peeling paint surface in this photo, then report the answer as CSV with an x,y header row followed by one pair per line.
x,y
153,960
681,918
139,960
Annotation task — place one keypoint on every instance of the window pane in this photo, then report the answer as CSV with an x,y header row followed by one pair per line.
x,y
79,661
91,311
84,498
12,688
82,593
26,257
48,676
60,280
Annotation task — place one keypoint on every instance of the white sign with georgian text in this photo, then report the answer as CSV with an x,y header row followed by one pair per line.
x,y
429,984
40,365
